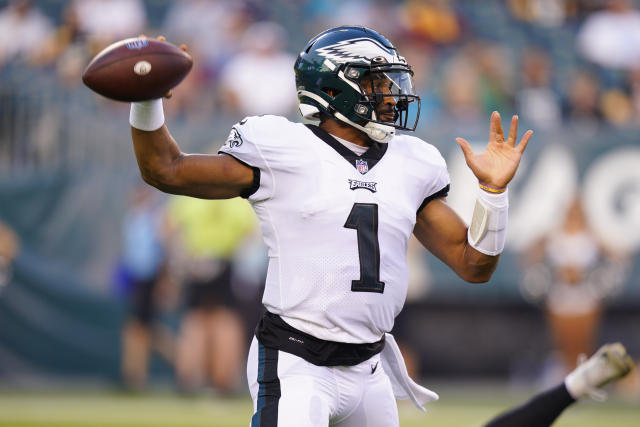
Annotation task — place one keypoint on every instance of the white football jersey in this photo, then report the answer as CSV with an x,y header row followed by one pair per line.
x,y
336,224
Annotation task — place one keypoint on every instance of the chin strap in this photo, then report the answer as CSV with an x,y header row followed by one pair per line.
x,y
376,131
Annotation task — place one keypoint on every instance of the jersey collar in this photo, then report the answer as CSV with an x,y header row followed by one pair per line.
x,y
372,155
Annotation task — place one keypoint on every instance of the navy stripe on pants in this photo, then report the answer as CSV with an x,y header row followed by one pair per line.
x,y
269,391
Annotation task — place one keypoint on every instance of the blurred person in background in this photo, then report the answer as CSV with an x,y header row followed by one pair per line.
x,y
142,279
617,107
611,37
213,30
211,343
67,36
581,104
545,13
496,74
23,30
106,21
431,21
536,97
9,248
460,90
634,93
262,49
573,273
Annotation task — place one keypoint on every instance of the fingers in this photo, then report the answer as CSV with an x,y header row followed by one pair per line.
x,y
495,129
513,131
524,141
466,147
163,39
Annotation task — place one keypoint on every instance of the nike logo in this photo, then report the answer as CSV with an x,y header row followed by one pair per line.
x,y
374,367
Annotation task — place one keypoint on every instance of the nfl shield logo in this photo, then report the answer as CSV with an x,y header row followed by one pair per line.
x,y
362,166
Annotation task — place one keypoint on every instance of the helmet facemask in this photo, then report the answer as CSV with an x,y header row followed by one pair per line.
x,y
387,94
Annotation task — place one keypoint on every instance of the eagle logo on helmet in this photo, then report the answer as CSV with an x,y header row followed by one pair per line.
x,y
357,49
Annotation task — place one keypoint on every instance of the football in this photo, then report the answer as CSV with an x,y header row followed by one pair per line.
x,y
137,69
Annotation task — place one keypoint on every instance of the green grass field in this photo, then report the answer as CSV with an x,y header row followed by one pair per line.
x,y
456,408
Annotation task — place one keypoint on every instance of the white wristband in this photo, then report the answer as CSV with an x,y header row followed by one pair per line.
x,y
147,115
488,229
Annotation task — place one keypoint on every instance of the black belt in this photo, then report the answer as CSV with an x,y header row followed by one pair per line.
x,y
274,332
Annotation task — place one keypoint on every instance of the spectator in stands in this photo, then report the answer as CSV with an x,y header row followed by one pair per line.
x,y
495,72
460,90
263,49
616,107
546,13
105,21
432,21
611,37
634,88
212,332
536,98
211,29
142,271
9,247
581,107
578,279
23,28
67,37
321,15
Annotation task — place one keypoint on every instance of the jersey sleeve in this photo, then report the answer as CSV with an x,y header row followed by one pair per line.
x,y
245,143
437,181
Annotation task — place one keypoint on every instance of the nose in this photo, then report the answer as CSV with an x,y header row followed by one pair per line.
x,y
390,99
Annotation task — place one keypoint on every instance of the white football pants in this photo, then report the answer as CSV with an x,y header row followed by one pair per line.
x,y
288,391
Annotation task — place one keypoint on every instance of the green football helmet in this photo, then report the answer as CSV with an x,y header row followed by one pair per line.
x,y
355,75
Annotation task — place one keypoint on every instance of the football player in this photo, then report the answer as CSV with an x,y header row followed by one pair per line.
x,y
337,202
610,363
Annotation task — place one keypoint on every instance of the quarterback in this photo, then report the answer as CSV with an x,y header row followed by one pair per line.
x,y
337,201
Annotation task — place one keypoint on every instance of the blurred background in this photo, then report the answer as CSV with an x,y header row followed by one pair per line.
x,y
109,285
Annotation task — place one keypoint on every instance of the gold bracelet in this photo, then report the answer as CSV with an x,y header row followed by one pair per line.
x,y
492,189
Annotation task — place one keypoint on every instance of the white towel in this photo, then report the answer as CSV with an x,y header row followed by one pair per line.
x,y
403,386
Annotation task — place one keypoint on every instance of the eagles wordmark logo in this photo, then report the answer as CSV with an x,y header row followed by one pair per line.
x,y
367,185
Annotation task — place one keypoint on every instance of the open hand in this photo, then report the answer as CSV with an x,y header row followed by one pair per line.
x,y
497,165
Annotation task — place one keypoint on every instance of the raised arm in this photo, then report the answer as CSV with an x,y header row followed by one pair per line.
x,y
163,165
473,252
444,234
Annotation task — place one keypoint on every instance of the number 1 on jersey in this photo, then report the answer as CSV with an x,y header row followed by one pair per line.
x,y
364,219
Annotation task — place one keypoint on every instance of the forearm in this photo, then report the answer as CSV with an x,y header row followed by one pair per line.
x,y
163,165
476,267
453,248
441,231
